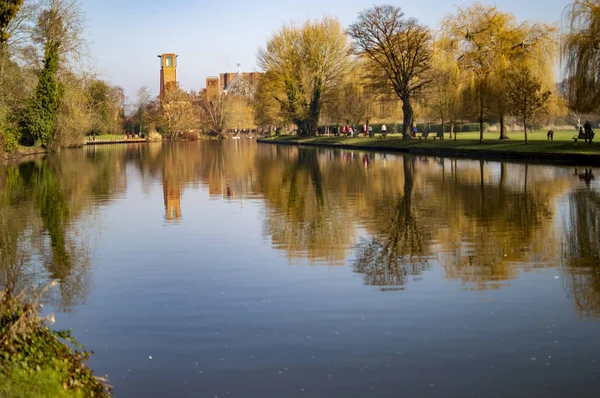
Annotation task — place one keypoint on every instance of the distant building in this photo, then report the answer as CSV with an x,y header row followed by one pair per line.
x,y
168,73
240,84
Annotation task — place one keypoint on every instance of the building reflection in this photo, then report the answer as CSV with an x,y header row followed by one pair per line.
x,y
172,195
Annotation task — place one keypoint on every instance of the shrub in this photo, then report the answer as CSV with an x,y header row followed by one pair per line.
x,y
473,127
9,137
189,136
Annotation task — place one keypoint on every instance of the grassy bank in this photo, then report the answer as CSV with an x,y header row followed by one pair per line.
x,y
36,361
562,148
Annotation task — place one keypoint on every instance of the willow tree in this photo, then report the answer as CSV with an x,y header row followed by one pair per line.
x,y
399,50
306,64
447,87
488,44
581,55
353,100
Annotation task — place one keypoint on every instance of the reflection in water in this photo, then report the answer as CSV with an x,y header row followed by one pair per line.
x,y
394,217
582,251
40,204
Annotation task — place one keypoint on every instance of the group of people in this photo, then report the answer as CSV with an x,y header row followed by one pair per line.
x,y
367,129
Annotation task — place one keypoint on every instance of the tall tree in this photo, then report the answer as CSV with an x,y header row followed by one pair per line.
x,y
447,85
581,55
399,50
487,44
527,97
267,111
42,111
306,64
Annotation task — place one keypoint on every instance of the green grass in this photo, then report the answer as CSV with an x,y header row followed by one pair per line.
x,y
47,382
111,137
538,143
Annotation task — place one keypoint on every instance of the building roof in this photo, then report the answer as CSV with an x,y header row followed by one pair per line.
x,y
240,87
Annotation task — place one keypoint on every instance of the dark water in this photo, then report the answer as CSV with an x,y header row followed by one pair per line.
x,y
250,270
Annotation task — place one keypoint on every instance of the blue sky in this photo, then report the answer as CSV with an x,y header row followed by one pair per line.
x,y
212,36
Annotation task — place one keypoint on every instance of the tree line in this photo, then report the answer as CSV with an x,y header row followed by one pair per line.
x,y
481,65
48,97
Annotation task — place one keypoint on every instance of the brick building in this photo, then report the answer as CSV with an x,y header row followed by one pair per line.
x,y
168,73
230,82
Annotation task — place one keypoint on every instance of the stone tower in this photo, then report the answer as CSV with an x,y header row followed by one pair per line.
x,y
168,73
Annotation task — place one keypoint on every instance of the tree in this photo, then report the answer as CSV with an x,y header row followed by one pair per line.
x,y
267,111
581,55
143,101
216,114
447,84
306,64
487,44
58,33
107,104
527,98
353,99
399,51
61,21
42,111
8,10
179,114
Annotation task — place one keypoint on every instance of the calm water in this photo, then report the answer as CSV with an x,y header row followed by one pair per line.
x,y
250,270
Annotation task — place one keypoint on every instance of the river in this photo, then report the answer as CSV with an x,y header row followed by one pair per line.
x,y
236,269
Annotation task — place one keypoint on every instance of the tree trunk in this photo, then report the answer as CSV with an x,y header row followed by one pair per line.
x,y
442,126
452,130
481,116
503,133
525,128
408,117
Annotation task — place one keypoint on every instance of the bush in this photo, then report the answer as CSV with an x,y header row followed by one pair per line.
x,y
31,351
473,127
9,137
154,136
189,136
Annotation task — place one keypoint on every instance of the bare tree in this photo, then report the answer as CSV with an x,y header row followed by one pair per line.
x,y
216,114
400,51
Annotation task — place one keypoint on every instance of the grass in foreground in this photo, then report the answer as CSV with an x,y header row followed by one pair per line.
x,y
538,143
36,361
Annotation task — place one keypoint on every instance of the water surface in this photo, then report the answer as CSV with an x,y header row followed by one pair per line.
x,y
251,270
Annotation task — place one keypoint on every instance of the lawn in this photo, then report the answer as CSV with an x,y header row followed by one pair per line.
x,y
110,137
538,143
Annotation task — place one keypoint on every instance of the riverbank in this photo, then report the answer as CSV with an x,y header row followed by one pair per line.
x,y
36,361
562,150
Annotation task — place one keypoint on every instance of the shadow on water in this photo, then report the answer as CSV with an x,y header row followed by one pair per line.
x,y
393,218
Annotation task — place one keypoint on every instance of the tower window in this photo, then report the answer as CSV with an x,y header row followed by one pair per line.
x,y
169,61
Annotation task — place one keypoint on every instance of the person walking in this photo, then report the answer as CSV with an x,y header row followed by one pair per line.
x,y
384,131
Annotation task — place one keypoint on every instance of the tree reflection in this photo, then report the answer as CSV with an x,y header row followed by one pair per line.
x,y
582,251
389,259
40,202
